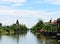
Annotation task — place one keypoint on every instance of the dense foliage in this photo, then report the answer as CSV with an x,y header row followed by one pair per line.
x,y
45,26
38,26
14,28
50,26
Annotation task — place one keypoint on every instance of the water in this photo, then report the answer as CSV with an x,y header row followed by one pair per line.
x,y
27,38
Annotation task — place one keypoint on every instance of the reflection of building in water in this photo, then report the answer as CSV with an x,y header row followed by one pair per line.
x,y
45,40
51,41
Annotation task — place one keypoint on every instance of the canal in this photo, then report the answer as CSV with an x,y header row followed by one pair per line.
x,y
26,38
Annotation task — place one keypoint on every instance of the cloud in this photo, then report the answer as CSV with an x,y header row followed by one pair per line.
x,y
13,0
55,2
17,4
9,16
29,13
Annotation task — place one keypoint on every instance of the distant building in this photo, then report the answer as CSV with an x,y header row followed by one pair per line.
x,y
54,22
41,30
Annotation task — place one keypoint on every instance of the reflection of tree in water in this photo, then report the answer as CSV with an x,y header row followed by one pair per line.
x,y
58,42
41,39
45,40
18,36
0,37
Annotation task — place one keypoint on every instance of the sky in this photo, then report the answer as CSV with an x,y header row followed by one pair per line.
x,y
28,12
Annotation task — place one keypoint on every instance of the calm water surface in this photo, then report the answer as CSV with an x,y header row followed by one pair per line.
x,y
27,38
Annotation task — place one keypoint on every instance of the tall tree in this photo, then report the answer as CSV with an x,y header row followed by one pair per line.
x,y
17,22
50,20
0,24
38,26
58,22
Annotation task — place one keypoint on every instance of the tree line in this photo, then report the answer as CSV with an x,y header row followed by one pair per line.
x,y
50,26
14,28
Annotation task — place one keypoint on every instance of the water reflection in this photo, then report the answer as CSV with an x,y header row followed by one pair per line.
x,y
26,38
0,37
18,36
41,39
45,40
12,39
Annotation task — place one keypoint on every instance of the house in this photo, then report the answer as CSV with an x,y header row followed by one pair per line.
x,y
54,22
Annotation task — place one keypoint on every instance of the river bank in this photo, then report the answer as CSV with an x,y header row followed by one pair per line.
x,y
26,38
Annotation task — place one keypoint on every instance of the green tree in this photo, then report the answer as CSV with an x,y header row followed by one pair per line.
x,y
58,22
17,22
0,24
47,28
38,26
